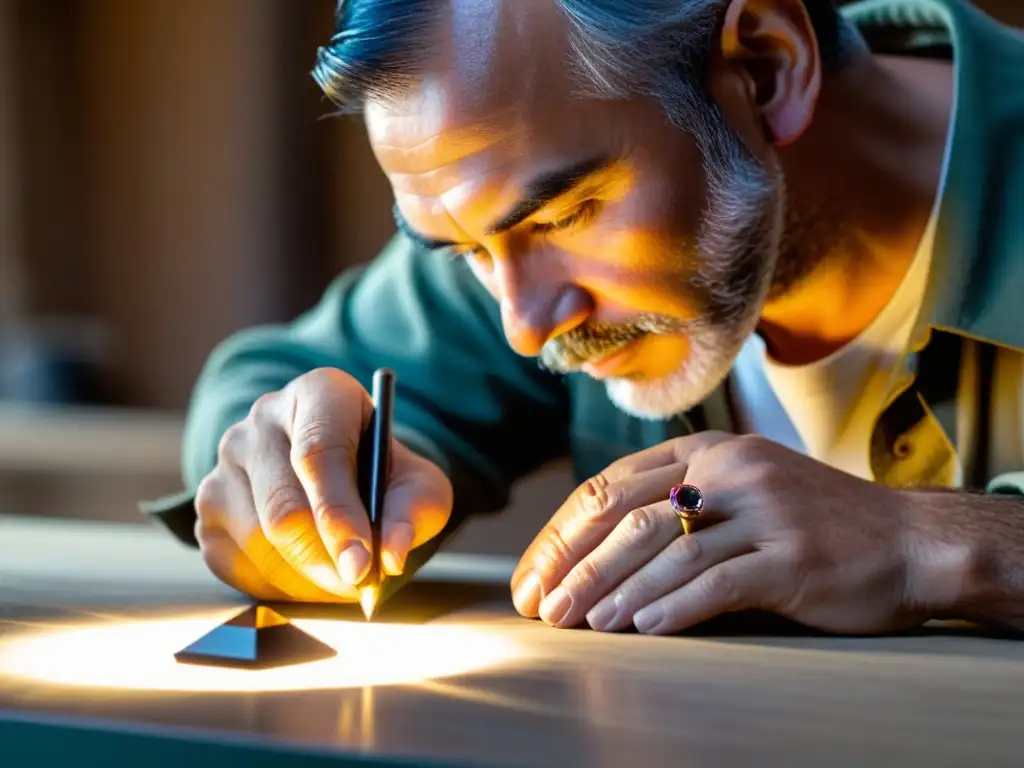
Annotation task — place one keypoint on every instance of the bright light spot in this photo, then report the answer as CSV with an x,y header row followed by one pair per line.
x,y
140,656
368,600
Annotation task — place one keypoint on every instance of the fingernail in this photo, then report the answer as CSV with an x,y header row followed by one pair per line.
x,y
555,606
394,563
396,548
602,615
353,563
528,594
647,619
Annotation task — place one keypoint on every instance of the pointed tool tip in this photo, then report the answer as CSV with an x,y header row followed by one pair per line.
x,y
368,601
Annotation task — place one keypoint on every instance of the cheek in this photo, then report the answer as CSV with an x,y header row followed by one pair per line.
x,y
640,267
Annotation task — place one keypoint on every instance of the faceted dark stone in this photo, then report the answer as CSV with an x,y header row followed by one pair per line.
x,y
686,500
689,497
257,638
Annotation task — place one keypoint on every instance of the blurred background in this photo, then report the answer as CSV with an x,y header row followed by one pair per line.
x,y
168,177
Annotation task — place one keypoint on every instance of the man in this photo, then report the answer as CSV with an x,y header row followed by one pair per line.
x,y
768,259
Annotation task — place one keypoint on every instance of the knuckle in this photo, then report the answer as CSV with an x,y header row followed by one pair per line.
x,y
209,498
329,514
720,455
553,547
749,448
642,526
311,438
309,379
282,504
321,376
681,447
265,408
594,497
719,588
322,382
686,550
642,585
584,576
232,443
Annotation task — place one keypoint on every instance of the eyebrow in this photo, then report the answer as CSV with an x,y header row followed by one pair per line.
x,y
547,188
540,191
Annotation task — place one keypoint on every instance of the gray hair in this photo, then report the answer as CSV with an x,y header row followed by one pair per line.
x,y
654,48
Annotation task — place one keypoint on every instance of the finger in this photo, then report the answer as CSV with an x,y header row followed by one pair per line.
x,y
681,561
417,505
269,562
591,511
325,422
285,515
637,541
228,563
669,452
745,582
638,537
587,517
225,502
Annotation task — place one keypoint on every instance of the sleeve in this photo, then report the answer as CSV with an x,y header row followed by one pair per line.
x,y
1007,484
464,398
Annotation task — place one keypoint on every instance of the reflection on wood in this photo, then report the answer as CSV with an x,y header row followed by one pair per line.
x,y
744,691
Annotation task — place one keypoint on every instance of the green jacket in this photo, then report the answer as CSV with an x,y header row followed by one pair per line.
x,y
489,416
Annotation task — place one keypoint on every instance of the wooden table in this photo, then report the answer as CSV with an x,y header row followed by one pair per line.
x,y
89,614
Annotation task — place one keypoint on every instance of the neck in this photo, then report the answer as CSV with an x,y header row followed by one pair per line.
x,y
862,183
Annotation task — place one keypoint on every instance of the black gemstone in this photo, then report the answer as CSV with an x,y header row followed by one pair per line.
x,y
690,498
257,638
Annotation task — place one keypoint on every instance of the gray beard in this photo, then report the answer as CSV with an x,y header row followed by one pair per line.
x,y
738,252
593,341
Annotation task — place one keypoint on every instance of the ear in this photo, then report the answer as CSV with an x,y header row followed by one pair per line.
x,y
773,45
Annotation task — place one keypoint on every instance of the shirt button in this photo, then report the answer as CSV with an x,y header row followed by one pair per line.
x,y
902,448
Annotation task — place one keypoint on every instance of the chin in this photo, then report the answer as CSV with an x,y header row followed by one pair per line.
x,y
667,397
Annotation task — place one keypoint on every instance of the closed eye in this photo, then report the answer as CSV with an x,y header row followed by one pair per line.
x,y
583,214
455,254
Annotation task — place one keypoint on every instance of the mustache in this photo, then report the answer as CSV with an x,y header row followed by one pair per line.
x,y
593,341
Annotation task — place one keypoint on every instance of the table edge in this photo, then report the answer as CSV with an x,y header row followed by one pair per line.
x,y
38,738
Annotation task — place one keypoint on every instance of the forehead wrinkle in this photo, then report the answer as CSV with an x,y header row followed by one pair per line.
x,y
466,134
458,183
425,161
488,87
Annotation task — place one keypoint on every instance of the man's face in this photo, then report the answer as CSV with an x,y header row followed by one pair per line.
x,y
615,242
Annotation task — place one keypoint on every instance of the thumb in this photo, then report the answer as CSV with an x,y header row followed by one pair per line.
x,y
417,505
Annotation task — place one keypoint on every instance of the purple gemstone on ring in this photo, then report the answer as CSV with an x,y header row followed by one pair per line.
x,y
686,500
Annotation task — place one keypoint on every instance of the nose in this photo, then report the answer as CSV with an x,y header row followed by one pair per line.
x,y
534,312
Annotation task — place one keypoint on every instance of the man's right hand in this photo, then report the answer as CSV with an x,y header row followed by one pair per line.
x,y
280,517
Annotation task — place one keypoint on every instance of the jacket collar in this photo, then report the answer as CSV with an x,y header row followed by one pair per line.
x,y
978,264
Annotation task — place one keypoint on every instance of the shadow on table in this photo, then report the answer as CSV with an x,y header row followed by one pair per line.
x,y
425,601
757,628
416,603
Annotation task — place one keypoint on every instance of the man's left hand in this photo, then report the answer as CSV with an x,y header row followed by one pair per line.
x,y
778,532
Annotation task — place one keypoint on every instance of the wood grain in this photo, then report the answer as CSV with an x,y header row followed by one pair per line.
x,y
738,693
